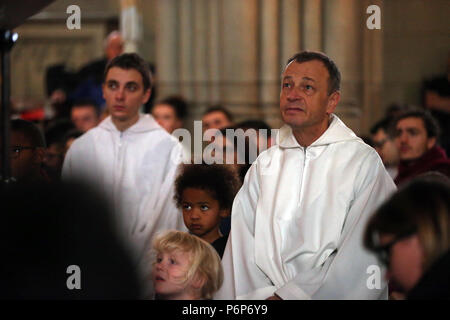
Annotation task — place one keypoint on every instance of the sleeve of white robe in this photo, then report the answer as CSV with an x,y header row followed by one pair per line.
x,y
346,274
241,274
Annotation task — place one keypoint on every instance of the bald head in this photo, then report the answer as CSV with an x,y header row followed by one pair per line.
x,y
114,45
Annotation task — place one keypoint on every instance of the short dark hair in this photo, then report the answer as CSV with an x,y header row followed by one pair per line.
x,y
430,123
30,131
219,180
219,108
178,104
254,124
131,61
334,81
386,124
86,102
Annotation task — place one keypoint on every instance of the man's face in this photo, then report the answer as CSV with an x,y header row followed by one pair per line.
x,y
165,115
385,147
215,120
26,162
84,117
412,139
304,99
124,94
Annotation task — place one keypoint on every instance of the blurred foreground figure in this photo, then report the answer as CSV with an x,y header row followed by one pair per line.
x,y
58,242
411,235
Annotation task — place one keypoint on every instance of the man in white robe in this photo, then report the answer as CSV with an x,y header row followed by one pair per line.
x,y
299,218
130,158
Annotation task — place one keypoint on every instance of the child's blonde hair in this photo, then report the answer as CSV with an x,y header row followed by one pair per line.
x,y
203,258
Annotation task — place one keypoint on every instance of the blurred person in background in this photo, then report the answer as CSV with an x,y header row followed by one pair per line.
x,y
383,140
84,115
410,233
416,138
170,113
217,117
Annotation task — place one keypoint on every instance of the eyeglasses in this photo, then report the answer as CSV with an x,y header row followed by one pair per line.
x,y
384,252
15,151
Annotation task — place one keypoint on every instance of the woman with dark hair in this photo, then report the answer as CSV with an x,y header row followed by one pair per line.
x,y
411,235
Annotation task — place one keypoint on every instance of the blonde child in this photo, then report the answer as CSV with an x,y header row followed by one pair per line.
x,y
185,268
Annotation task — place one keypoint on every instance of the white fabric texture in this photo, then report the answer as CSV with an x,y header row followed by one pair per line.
x,y
298,220
136,170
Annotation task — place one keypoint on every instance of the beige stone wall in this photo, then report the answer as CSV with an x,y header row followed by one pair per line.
x,y
233,51
416,45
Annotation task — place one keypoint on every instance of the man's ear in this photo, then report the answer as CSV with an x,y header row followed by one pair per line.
x,y
431,142
146,96
333,100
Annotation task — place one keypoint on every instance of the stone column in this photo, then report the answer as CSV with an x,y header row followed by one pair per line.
x,y
269,66
167,47
312,25
372,64
200,46
290,29
342,43
186,53
131,24
215,55
240,52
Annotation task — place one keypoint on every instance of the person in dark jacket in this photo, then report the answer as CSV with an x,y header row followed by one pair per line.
x,y
417,135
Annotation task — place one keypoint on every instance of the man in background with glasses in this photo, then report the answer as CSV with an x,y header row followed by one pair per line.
x,y
27,152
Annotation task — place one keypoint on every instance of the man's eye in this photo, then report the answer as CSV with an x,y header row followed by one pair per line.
x,y
112,85
286,85
132,87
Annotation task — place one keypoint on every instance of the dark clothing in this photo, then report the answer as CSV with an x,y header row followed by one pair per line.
x,y
220,244
435,283
434,159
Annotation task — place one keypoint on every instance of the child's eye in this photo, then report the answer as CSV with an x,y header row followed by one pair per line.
x,y
158,259
172,261
186,207
204,207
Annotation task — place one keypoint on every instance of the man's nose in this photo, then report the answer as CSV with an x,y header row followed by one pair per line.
x,y
120,94
195,214
294,94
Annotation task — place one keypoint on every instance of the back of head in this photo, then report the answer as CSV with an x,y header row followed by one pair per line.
x,y
132,61
204,260
334,81
46,229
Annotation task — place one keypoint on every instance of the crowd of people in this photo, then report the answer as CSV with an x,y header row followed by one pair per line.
x,y
303,218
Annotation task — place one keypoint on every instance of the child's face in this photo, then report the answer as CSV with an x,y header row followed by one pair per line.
x,y
168,274
202,213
